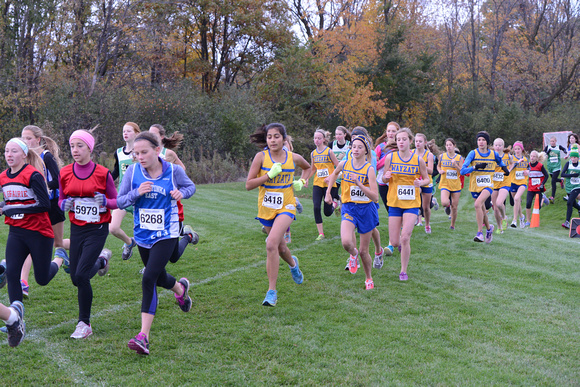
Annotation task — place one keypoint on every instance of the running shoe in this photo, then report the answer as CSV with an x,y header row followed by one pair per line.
x,y
427,229
320,237
139,344
504,224
489,234
551,199
403,276
193,236
347,267
522,221
106,255
287,237
478,237
17,330
142,271
566,224
389,250
59,252
499,230
184,300
297,275
561,183
299,207
264,230
448,210
545,200
353,264
378,262
271,298
25,288
369,284
128,249
514,224
82,331
435,203
452,228
2,273
565,198
527,224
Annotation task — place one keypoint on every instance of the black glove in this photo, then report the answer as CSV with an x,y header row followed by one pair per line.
x,y
505,170
480,166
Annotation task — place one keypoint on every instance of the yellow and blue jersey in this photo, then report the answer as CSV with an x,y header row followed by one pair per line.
x,y
499,179
425,158
449,174
323,166
276,195
351,193
402,191
518,175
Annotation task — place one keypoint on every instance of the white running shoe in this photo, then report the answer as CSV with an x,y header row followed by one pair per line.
x,y
82,331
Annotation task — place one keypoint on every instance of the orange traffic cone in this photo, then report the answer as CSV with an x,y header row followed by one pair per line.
x,y
536,213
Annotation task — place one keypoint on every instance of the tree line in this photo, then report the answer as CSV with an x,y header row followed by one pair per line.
x,y
216,69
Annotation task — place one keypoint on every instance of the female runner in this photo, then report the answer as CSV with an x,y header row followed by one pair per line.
x,y
323,163
501,185
519,182
25,209
272,170
481,164
359,208
537,177
123,159
426,190
87,194
450,184
554,153
48,151
571,174
340,147
406,172
153,187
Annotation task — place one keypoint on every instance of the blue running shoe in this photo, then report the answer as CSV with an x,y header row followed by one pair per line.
x,y
271,298
296,273
389,250
4,329
2,273
17,331
299,207
59,252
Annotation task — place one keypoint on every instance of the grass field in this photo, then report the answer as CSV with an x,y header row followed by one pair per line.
x,y
507,313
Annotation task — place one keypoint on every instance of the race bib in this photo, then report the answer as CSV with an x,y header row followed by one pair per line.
x,y
575,180
451,174
322,173
483,181
273,200
86,209
17,216
536,181
553,159
357,195
406,192
152,219
520,175
498,176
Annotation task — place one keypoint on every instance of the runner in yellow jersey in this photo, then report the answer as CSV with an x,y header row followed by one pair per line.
x,y
501,186
405,172
360,194
480,163
450,184
519,182
272,170
323,162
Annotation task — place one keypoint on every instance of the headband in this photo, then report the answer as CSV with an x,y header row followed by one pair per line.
x,y
21,144
362,139
484,135
85,137
519,143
